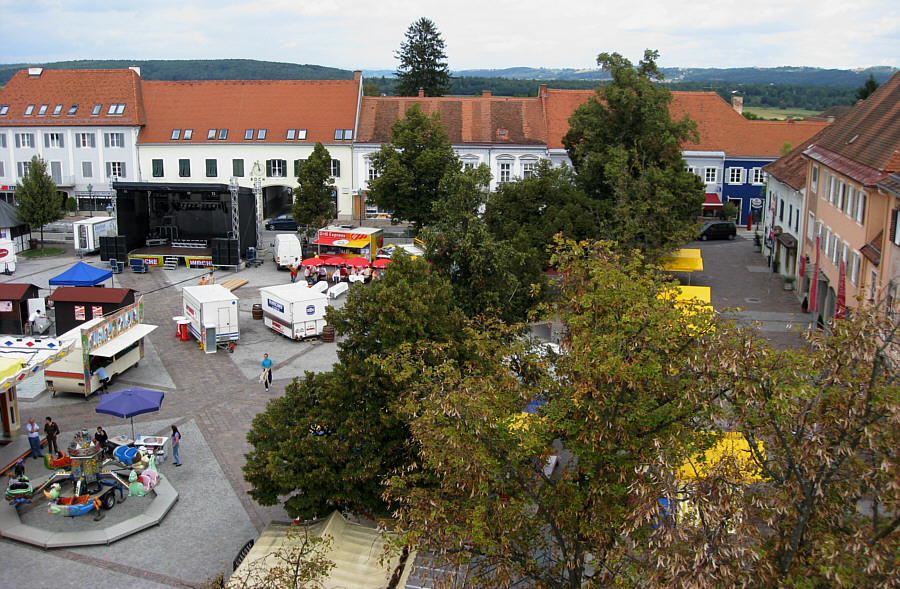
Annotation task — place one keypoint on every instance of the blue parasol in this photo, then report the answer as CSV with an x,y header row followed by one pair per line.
x,y
130,402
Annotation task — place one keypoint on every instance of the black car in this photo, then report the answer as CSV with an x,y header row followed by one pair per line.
x,y
718,230
282,223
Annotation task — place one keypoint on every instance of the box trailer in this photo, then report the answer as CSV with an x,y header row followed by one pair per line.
x,y
115,342
87,233
211,307
294,310
8,257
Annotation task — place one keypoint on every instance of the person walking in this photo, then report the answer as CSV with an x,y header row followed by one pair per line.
x,y
266,376
176,445
295,269
52,430
34,438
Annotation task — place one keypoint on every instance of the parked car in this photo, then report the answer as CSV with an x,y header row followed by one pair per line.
x,y
283,222
718,230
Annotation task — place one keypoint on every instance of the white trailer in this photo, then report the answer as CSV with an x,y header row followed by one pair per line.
x,y
8,257
294,310
87,233
211,306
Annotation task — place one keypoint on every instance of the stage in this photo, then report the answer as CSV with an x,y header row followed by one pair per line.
x,y
155,255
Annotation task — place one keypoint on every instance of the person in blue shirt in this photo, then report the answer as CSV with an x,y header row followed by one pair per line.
x,y
104,379
266,375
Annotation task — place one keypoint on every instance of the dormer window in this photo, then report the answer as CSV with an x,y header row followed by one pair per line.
x,y
116,109
176,134
301,134
223,134
211,134
248,134
57,110
29,109
72,110
261,135
4,108
42,110
291,134
96,110
188,134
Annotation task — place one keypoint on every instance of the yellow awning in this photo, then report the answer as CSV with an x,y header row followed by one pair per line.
x,y
683,260
728,444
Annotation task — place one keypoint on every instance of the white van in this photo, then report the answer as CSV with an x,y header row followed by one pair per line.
x,y
286,249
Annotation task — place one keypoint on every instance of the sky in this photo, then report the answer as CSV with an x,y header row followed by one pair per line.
x,y
479,34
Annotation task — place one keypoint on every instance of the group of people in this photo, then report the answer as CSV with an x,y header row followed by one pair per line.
x,y
101,438
314,274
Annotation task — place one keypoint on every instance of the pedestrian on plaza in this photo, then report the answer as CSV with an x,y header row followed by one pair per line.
x,y
176,445
52,430
34,318
266,376
101,438
104,379
34,438
343,272
295,269
210,279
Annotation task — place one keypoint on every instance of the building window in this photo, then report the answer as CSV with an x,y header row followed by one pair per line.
x,y
710,175
223,134
832,187
335,168
85,140
4,108
56,172
115,110
505,172
835,248
276,168
343,134
860,206
845,250
2,169
781,210
57,110
42,110
759,177
29,109
87,170
848,208
211,135
3,140
372,172
212,168
248,134
114,139
527,171
301,134
176,134
854,268
96,110
188,134
814,182
297,168
158,168
53,140
261,135
827,244
237,168
184,168
291,134
25,140
810,224
115,169
72,110
22,169
842,192
736,175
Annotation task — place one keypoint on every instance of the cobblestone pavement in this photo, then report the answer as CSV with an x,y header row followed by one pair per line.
x,y
213,398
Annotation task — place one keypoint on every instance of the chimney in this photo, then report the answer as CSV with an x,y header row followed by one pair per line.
x,y
542,93
485,93
136,69
421,92
35,72
737,103
357,75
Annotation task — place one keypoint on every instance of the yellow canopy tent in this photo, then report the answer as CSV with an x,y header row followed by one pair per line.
x,y
683,260
690,299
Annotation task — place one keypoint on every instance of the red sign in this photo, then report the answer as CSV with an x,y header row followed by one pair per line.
x,y
79,312
96,311
3,252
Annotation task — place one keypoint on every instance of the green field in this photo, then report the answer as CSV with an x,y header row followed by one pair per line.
x,y
770,113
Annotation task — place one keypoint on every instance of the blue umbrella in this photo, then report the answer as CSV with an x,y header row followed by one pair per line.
x,y
130,402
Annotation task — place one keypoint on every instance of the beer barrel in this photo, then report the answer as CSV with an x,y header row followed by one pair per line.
x,y
257,311
328,333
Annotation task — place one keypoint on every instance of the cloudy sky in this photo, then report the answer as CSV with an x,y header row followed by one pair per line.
x,y
362,34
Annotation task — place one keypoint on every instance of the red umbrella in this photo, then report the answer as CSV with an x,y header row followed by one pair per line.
x,y
357,262
840,307
313,262
381,262
334,261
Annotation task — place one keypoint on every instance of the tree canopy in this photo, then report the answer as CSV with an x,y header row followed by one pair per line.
x,y
315,193
866,90
423,61
626,150
37,200
412,166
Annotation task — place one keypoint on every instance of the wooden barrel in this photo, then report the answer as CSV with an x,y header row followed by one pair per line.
x,y
328,333
257,311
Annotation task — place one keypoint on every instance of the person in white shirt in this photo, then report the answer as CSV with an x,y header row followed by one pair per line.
x,y
34,438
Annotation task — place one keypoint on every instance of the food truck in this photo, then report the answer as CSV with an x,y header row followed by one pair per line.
x,y
87,233
115,342
294,310
212,313
349,242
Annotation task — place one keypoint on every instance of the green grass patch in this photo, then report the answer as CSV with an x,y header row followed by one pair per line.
x,y
42,253
780,114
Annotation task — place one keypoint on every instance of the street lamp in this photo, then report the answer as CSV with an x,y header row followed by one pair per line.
x,y
90,198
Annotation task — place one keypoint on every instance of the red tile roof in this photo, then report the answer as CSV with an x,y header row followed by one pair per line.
x,y
791,168
14,291
89,294
85,88
320,107
473,120
870,133
720,127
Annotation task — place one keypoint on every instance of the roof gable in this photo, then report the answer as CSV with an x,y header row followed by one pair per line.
x,y
791,168
84,88
320,107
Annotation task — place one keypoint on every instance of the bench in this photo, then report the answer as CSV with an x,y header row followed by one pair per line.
x,y
338,289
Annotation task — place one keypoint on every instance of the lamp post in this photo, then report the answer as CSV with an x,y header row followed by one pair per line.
x,y
91,198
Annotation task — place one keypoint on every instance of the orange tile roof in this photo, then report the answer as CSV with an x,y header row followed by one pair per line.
x,y
791,168
473,120
720,127
85,88
320,107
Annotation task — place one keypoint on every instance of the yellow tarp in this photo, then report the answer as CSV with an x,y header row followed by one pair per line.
x,y
10,368
728,444
683,260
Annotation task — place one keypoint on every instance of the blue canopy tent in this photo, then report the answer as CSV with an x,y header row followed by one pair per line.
x,y
81,274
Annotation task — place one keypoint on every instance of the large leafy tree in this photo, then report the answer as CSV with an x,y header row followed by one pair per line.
x,y
314,195
423,61
332,438
37,200
412,166
626,150
624,394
